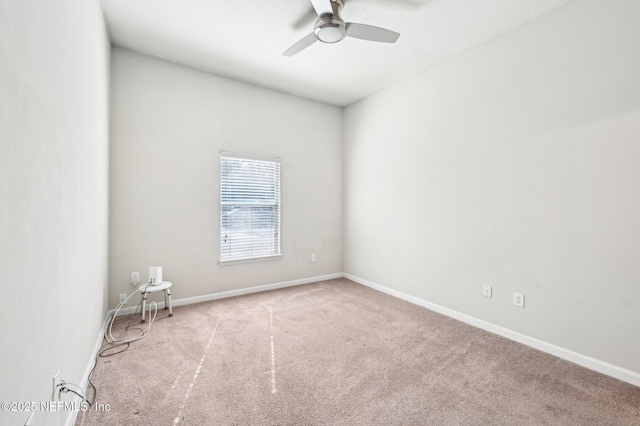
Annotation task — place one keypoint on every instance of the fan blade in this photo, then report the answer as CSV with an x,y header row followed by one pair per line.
x,y
371,33
322,6
302,44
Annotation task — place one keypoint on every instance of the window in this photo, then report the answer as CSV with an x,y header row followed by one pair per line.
x,y
249,208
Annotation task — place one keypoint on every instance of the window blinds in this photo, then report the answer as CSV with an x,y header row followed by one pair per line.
x,y
250,208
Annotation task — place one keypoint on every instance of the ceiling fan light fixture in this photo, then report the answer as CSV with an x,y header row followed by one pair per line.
x,y
330,29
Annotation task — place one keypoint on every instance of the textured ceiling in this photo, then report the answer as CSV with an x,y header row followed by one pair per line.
x,y
245,39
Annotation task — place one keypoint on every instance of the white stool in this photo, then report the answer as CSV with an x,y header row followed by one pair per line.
x,y
146,289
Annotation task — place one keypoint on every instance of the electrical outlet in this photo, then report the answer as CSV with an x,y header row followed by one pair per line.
x,y
313,257
518,299
135,278
486,291
123,297
56,382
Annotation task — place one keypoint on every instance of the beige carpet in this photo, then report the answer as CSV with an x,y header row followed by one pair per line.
x,y
338,353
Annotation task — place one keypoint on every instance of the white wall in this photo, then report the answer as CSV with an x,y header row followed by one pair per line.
x,y
53,195
514,164
169,124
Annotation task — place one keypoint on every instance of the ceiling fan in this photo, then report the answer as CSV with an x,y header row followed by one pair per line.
x,y
330,28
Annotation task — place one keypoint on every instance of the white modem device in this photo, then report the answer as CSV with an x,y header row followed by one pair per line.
x,y
155,275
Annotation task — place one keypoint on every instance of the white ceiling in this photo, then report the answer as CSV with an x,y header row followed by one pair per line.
x,y
245,39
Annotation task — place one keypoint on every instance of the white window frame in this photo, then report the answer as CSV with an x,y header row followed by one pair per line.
x,y
245,251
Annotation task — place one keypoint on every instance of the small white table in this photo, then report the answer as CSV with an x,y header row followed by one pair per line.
x,y
163,286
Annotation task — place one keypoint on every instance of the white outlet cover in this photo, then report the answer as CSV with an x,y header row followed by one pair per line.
x,y
55,383
518,299
486,291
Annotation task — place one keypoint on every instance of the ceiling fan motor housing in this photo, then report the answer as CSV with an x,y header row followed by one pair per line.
x,y
329,27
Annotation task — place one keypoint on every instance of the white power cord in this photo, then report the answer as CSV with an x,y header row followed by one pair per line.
x,y
109,334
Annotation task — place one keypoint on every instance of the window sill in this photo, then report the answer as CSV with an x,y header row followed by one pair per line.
x,y
249,259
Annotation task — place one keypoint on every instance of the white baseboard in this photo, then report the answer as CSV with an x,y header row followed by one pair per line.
x,y
71,417
566,354
256,289
563,353
232,293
